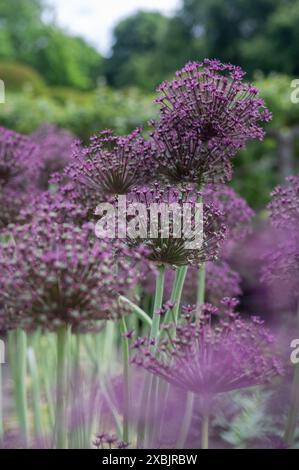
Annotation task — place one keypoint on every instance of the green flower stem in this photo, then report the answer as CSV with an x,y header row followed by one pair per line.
x,y
294,409
148,387
139,312
60,422
176,294
1,405
201,284
20,382
36,397
186,421
205,431
126,359
289,435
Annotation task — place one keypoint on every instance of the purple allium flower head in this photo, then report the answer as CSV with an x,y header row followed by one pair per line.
x,y
60,274
11,203
237,215
284,205
55,150
208,358
181,157
221,281
207,114
282,257
49,207
150,231
16,154
112,164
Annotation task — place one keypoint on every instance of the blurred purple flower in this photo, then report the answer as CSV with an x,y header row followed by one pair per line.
x,y
208,358
54,152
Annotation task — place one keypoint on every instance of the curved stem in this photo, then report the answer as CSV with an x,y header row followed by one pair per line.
x,y
61,428
139,312
126,359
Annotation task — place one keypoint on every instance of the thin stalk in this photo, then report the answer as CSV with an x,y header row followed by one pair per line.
x,y
1,404
20,382
126,359
289,435
158,302
294,409
36,398
149,392
60,424
139,312
201,284
205,431
186,421
176,294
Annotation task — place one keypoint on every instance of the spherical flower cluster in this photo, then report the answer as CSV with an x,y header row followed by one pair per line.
x,y
16,167
281,265
220,281
171,237
181,157
209,106
112,164
54,151
237,215
52,207
59,274
281,260
209,357
284,205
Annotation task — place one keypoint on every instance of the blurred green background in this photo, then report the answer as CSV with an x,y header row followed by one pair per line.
x,y
52,76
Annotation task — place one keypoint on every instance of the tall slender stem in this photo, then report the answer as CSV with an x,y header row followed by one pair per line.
x,y
1,403
158,302
294,408
201,284
61,428
176,294
186,421
20,382
205,431
126,359
36,399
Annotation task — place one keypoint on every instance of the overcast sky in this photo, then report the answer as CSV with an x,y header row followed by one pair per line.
x,y
95,19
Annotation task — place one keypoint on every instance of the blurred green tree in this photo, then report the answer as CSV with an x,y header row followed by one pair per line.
x,y
134,53
27,37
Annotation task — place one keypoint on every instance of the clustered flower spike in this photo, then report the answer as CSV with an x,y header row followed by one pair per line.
x,y
173,247
207,114
54,152
208,360
112,164
59,274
